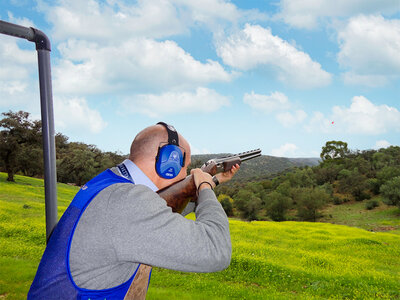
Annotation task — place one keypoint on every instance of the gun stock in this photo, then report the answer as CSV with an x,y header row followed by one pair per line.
x,y
179,194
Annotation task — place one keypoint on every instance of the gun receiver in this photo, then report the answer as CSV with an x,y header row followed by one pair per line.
x,y
217,165
180,193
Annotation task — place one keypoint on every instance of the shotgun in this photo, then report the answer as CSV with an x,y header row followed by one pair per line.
x,y
177,197
180,193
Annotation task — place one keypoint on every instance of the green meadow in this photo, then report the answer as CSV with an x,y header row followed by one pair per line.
x,y
286,260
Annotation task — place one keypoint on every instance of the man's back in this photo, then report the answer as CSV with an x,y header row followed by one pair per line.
x,y
128,224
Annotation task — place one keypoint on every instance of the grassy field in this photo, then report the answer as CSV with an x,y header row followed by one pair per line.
x,y
383,218
287,260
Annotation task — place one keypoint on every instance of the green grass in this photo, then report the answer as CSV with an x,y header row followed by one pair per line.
x,y
382,218
288,260
23,231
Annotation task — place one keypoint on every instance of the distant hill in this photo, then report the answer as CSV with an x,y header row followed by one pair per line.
x,y
260,167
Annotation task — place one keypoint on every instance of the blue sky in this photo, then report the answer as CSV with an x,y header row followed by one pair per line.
x,y
284,76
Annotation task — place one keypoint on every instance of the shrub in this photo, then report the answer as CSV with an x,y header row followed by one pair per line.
x,y
373,185
371,204
227,206
248,204
391,191
337,200
388,173
362,195
310,201
277,206
328,188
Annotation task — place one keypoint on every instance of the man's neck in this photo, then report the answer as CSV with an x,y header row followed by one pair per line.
x,y
145,172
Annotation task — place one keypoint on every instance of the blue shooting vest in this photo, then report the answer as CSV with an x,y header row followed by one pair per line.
x,y
53,279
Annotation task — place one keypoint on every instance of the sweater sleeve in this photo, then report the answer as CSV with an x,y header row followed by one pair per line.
x,y
145,230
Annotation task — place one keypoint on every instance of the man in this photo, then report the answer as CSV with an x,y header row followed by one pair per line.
x,y
117,221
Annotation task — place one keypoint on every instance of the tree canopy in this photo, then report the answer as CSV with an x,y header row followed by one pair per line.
x,y
334,149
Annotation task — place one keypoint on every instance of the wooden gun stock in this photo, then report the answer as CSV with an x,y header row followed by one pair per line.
x,y
179,194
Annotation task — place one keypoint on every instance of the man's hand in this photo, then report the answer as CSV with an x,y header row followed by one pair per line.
x,y
226,176
200,177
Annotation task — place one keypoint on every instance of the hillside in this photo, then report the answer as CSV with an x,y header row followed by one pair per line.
x,y
286,260
260,167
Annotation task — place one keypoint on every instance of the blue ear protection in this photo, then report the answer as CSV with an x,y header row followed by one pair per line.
x,y
170,159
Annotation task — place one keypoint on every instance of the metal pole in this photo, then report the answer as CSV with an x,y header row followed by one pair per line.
x,y
49,153
17,30
46,103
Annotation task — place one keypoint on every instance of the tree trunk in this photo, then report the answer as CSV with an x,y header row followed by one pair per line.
x,y
10,176
10,172
9,168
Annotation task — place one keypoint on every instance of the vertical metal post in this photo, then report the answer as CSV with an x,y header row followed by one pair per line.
x,y
46,103
49,153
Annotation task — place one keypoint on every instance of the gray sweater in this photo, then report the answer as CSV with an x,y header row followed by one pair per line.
x,y
127,224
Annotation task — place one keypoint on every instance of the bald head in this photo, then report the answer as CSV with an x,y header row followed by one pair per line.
x,y
145,146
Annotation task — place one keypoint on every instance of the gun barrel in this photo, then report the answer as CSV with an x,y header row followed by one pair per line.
x,y
249,153
242,156
250,156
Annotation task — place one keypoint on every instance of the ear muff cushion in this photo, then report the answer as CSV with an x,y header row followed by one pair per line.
x,y
169,161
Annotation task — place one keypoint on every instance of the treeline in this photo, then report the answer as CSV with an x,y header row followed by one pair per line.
x,y
297,194
21,152
300,194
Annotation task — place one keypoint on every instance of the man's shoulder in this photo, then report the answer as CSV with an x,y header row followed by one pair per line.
x,y
127,187
129,194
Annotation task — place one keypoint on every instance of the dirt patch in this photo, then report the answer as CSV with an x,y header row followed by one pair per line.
x,y
385,228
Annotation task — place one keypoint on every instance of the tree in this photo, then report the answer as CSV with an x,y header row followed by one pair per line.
x,y
387,173
277,206
78,166
324,173
309,202
196,163
30,159
301,177
248,204
391,191
18,135
334,149
354,183
226,203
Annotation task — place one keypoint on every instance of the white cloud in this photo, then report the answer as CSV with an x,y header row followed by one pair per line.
x,y
309,13
136,64
195,150
111,46
289,119
112,20
255,47
20,21
109,21
286,150
275,102
267,103
381,144
369,48
207,11
361,117
17,70
75,114
367,80
203,100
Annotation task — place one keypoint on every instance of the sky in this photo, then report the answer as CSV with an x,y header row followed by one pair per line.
x,y
285,76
